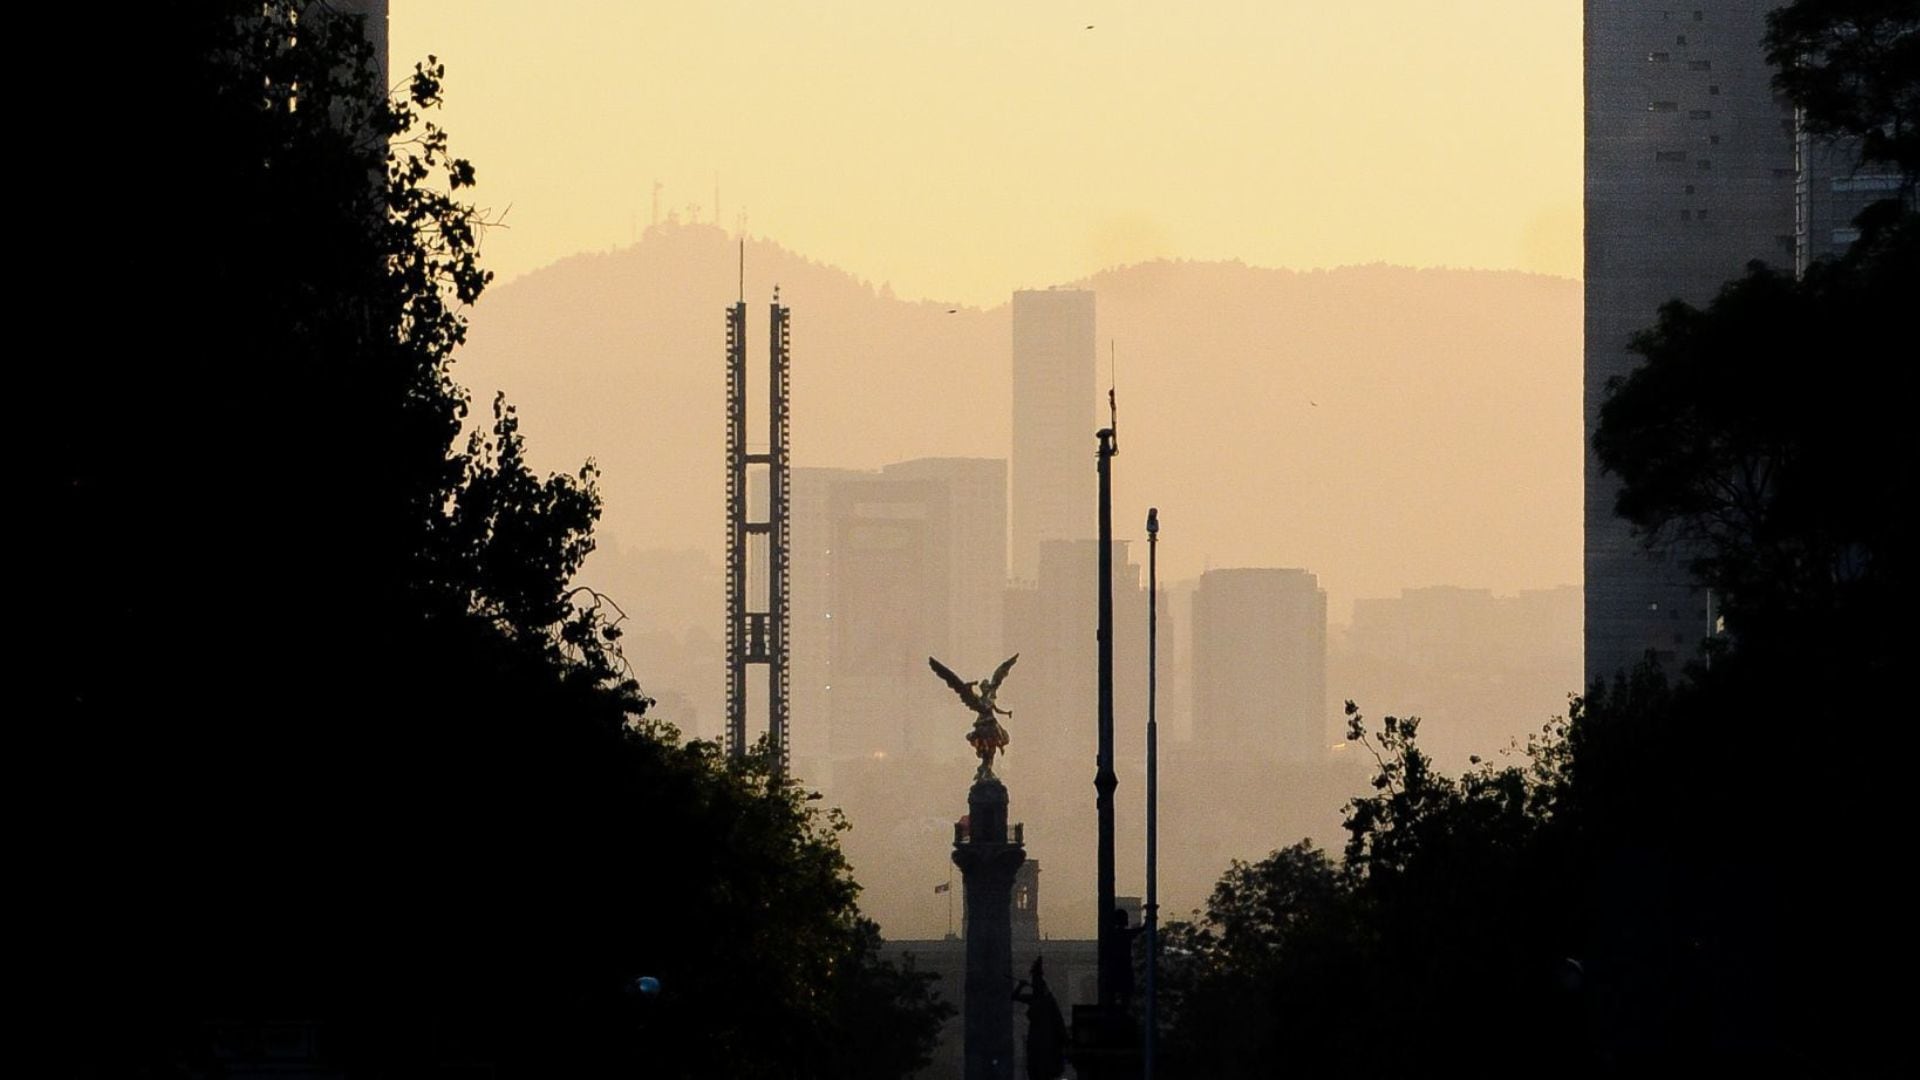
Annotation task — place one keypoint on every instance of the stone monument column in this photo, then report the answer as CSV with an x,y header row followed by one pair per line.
x,y
987,859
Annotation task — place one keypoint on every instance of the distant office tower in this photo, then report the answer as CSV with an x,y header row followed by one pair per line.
x,y
976,493
889,612
1479,670
1260,665
1694,167
892,567
810,521
1053,422
1051,623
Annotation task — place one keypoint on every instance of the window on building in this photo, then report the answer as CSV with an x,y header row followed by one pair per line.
x,y
1670,155
1680,40
1699,65
1664,106
1866,183
1713,140
1705,165
1657,57
1700,114
1689,189
1686,215
1699,16
1845,236
1713,90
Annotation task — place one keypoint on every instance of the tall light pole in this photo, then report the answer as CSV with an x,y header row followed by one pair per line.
x,y
1153,786
1104,780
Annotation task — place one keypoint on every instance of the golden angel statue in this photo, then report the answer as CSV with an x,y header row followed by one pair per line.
x,y
987,735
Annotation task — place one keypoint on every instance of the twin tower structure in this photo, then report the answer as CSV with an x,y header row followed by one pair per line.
x,y
1051,500
759,553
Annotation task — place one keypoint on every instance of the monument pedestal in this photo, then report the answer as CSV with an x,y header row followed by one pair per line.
x,y
988,859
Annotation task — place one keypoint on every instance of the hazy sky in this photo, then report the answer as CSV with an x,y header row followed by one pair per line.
x,y
960,150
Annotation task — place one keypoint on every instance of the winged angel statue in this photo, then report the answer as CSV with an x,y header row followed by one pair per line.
x,y
987,736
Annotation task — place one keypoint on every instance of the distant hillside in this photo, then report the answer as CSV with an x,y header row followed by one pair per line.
x,y
1381,426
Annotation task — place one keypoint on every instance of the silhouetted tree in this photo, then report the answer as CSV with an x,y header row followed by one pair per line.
x,y
1767,434
1689,873
1853,67
333,737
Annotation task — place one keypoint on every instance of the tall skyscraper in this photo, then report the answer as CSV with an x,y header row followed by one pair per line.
x,y
1260,665
891,548
1694,168
1689,176
890,566
976,492
1054,406
811,514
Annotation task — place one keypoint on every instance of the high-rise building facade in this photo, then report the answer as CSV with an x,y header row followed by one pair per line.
x,y
888,567
1694,168
1053,422
1260,665
976,493
1690,173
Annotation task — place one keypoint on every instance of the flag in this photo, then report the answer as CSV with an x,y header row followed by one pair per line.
x,y
944,886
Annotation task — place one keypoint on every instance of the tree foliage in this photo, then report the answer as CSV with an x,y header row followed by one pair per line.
x,y
1687,874
1853,67
1766,434
363,754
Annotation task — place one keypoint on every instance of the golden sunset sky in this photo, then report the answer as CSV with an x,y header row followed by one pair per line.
x,y
957,151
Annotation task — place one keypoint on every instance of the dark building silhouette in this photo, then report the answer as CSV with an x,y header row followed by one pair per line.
x,y
1694,167
759,550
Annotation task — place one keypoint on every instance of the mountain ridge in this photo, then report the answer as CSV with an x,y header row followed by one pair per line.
x,y
1383,426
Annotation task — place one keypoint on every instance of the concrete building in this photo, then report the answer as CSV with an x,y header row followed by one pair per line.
x,y
810,514
1479,670
889,567
1689,176
1054,407
1260,665
1694,168
890,601
976,493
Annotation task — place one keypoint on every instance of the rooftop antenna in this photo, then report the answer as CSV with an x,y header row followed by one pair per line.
x,y
656,202
743,270
1113,382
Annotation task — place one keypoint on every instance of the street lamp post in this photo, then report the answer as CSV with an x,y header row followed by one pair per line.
x,y
1153,789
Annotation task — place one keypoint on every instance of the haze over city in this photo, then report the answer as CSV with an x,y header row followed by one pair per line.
x,y
1222,304
857,541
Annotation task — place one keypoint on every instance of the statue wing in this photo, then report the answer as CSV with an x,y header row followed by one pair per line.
x,y
959,684
1000,673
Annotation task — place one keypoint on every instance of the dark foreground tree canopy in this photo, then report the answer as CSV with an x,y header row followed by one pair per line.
x,y
334,745
1853,68
1698,872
